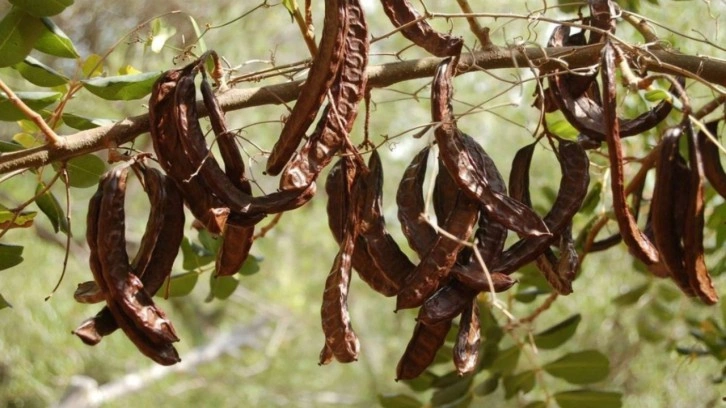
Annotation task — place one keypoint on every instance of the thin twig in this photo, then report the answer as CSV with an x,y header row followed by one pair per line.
x,y
50,136
482,33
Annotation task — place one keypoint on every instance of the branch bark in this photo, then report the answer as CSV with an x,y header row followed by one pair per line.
x,y
705,68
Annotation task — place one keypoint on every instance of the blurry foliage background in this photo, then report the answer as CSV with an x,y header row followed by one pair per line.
x,y
637,330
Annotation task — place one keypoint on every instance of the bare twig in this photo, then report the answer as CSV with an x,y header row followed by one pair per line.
x,y
50,135
482,33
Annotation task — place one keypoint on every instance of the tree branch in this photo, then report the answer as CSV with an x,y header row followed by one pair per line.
x,y
703,68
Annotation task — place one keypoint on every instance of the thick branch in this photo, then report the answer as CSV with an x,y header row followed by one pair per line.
x,y
380,76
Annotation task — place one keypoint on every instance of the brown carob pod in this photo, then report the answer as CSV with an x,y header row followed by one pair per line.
x,y
411,205
468,339
421,349
340,339
461,165
639,245
694,259
320,77
331,132
404,16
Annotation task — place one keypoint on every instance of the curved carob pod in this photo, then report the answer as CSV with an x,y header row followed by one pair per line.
x,y
640,246
462,167
694,258
666,203
340,340
331,132
237,239
320,77
411,205
468,339
376,257
128,305
402,14
421,349
712,168
586,114
574,165
170,154
155,258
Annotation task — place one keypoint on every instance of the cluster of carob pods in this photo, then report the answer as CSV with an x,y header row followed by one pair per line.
x,y
460,255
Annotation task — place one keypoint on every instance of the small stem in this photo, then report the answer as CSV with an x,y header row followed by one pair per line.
x,y
642,27
51,137
482,33
306,28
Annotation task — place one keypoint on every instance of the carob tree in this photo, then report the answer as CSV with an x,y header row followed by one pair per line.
x,y
461,256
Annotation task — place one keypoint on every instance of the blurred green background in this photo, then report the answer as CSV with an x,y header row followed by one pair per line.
x,y
269,328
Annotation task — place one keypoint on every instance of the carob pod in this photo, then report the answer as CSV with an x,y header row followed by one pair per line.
x,y
170,154
712,168
237,239
103,229
320,77
639,244
340,339
402,15
411,205
461,165
586,114
574,165
124,288
694,258
421,349
331,132
665,203
468,339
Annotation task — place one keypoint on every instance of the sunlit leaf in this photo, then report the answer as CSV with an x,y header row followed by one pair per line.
x,y
589,399
558,124
128,70
23,220
290,6
53,41
39,74
521,382
209,242
198,32
42,8
123,87
181,284
34,100
49,205
26,140
10,255
398,401
160,34
536,404
19,32
221,287
583,367
85,171
92,66
81,123
4,303
558,334
195,256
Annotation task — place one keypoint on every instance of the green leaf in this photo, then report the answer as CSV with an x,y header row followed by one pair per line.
x,y
558,124
26,140
49,205
648,329
53,41
123,87
4,303
592,199
35,101
209,242
85,171
251,266
583,367
82,123
194,256
536,404
92,66
528,294
589,399
19,32
423,382
42,8
513,384
10,255
23,220
160,34
462,402
39,74
657,95
398,401
488,386
452,393
181,284
558,334
221,287
198,32
290,6
631,296
7,146
506,360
